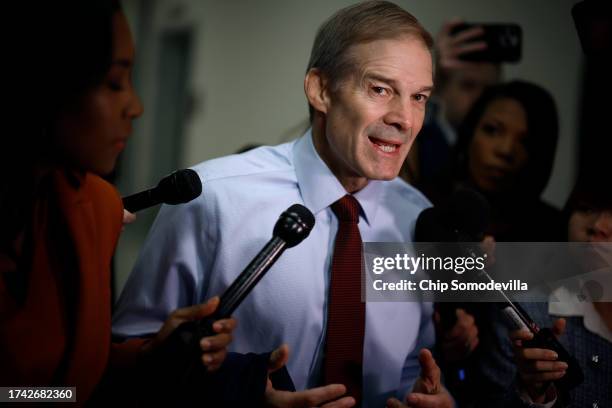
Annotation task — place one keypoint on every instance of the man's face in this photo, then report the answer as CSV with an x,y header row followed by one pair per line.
x,y
373,114
464,87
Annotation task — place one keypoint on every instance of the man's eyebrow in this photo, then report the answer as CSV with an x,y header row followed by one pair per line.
x,y
427,88
378,77
393,82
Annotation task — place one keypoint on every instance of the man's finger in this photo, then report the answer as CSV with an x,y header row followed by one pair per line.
x,y
429,369
468,34
537,354
419,400
314,396
128,217
521,335
214,359
197,311
225,325
278,358
217,342
559,327
468,48
394,403
540,366
542,377
344,402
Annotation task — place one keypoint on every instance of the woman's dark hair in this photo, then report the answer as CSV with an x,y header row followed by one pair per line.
x,y
542,133
75,50
590,193
67,52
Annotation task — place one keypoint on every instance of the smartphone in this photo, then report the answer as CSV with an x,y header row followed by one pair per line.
x,y
504,42
516,318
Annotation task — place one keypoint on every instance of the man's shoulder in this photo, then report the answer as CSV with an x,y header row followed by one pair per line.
x,y
398,189
252,165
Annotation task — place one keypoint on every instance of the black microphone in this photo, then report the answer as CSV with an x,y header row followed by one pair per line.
x,y
292,227
464,220
178,187
181,352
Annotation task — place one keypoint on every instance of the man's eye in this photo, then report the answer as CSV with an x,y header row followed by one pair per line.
x,y
420,98
379,90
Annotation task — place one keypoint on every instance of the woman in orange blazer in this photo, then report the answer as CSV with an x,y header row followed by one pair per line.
x,y
59,221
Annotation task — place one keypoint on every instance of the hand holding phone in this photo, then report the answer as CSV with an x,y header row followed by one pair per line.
x,y
503,42
542,359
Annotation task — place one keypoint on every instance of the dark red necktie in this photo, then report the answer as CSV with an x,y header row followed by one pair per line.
x,y
346,311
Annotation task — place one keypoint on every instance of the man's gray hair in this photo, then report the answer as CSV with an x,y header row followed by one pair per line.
x,y
357,24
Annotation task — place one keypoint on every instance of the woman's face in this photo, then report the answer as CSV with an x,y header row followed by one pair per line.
x,y
93,133
497,152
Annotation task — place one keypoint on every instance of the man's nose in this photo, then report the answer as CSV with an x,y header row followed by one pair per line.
x,y
400,114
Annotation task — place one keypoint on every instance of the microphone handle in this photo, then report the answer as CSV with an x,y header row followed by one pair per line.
x,y
142,200
246,281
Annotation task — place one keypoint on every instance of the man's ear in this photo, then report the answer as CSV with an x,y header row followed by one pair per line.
x,y
317,92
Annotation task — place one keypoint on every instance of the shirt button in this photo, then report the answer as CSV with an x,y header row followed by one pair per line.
x,y
595,358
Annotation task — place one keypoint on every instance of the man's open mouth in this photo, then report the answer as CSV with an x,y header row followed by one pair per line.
x,y
386,147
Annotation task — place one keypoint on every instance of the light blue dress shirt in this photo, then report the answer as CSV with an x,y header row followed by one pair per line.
x,y
194,251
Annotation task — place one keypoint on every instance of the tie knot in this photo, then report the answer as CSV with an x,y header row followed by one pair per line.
x,y
346,209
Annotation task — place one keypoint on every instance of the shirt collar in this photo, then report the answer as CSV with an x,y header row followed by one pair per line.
x,y
563,302
320,188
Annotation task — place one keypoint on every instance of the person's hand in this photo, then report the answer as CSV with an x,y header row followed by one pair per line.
x,y
302,399
128,218
450,47
214,348
459,342
537,367
427,392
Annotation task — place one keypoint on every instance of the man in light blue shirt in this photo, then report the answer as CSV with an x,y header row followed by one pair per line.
x,y
368,80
